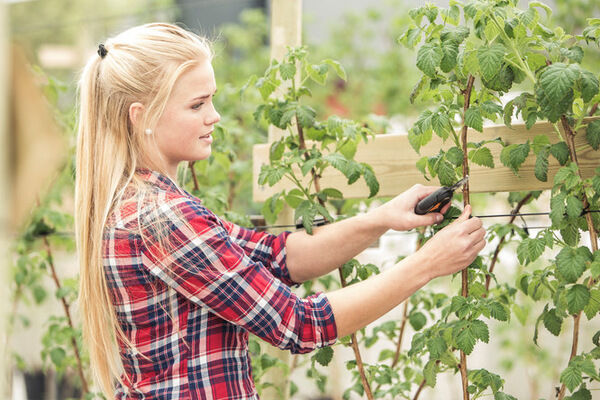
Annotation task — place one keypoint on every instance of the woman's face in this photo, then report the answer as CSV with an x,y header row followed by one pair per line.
x,y
184,131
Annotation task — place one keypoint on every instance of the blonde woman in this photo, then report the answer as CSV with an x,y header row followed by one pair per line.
x,y
169,291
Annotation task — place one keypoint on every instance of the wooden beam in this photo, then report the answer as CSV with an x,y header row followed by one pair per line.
x,y
393,160
5,212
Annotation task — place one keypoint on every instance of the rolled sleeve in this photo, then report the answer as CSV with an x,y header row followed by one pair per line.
x,y
206,266
263,247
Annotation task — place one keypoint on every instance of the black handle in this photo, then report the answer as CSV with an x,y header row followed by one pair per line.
x,y
435,201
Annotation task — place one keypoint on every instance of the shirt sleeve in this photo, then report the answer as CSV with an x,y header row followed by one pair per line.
x,y
263,247
206,266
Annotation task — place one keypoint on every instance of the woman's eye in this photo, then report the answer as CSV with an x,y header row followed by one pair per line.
x,y
197,106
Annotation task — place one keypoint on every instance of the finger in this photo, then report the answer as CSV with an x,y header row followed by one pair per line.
x,y
445,208
472,225
465,214
424,191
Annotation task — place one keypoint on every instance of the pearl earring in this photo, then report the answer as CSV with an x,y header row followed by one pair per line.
x,y
148,131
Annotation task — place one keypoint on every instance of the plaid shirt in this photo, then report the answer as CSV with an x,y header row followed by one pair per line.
x,y
188,312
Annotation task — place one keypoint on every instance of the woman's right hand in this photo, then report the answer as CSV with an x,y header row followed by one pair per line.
x,y
454,247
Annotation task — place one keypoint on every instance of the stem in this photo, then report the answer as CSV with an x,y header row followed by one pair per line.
x,y
524,67
288,381
194,178
421,386
466,199
570,136
359,362
593,110
515,211
65,305
405,310
402,326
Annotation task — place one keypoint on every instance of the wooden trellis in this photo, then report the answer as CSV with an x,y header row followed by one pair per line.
x,y
393,160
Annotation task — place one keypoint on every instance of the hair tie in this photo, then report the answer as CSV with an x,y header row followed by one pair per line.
x,y
102,52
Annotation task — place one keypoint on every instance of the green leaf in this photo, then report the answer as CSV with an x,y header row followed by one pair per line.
x,y
450,53
557,80
560,151
490,59
498,311
287,70
337,67
440,122
589,86
306,116
465,340
574,207
430,373
578,297
455,155
593,306
581,394
570,263
558,208
418,139
57,355
541,165
571,377
482,156
417,320
429,58
446,173
436,346
552,322
308,165
371,180
570,234
514,155
503,80
480,331
473,118
503,396
307,212
530,249
592,134
324,356
276,151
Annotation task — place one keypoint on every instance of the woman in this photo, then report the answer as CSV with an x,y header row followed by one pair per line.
x,y
169,291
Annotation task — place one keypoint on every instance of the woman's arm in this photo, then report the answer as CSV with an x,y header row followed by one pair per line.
x,y
450,250
330,246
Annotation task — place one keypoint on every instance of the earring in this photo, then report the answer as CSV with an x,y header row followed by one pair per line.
x,y
148,131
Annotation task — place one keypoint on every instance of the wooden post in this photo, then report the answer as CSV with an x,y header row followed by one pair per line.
x,y
286,30
4,203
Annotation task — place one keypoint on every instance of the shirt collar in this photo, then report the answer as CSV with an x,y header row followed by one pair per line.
x,y
160,180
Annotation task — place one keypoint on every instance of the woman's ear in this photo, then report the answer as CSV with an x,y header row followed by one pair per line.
x,y
135,114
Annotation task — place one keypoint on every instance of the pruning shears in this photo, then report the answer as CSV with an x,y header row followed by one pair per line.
x,y
438,199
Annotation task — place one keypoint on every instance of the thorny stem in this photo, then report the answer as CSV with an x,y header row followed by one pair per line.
x,y
354,344
570,136
359,362
421,386
515,211
593,110
65,305
466,200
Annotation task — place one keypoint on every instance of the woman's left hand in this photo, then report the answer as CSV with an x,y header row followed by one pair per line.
x,y
399,213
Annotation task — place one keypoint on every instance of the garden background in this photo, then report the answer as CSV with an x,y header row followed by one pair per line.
x,y
372,88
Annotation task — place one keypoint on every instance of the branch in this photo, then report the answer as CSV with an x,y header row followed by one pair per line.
x,y
313,172
421,386
515,211
65,305
593,110
405,311
466,200
359,362
570,139
195,179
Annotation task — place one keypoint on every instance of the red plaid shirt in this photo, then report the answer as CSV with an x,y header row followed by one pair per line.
x,y
189,312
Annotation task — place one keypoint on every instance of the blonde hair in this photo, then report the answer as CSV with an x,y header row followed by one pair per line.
x,y
142,64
